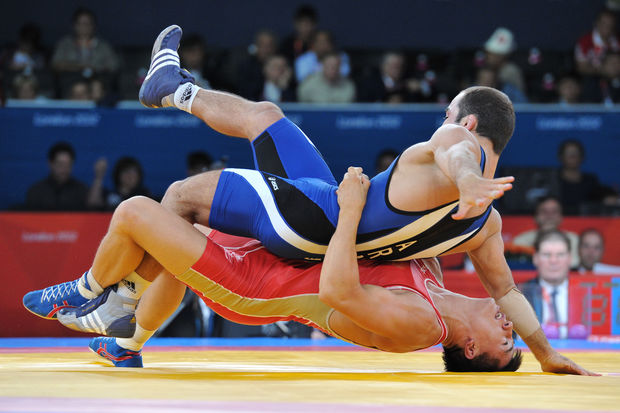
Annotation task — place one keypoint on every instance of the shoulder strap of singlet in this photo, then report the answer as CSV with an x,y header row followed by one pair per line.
x,y
483,159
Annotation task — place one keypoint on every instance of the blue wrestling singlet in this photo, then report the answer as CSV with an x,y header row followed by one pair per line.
x,y
289,203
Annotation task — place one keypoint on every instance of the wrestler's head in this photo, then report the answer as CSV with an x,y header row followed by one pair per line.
x,y
483,343
485,111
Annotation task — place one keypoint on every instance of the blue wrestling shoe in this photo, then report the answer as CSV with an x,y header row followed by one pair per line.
x,y
106,348
109,314
47,302
165,74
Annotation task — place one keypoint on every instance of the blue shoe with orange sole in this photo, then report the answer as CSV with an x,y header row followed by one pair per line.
x,y
107,349
47,302
165,74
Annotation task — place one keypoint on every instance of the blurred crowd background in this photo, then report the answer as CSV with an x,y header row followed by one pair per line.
x,y
391,53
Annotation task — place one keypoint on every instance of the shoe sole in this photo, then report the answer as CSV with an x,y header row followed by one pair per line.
x,y
160,38
107,361
45,317
101,358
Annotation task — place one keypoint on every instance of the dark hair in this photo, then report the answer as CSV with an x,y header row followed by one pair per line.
x,y
198,158
551,234
605,12
30,33
306,11
454,360
569,142
318,33
495,113
541,200
333,53
84,11
124,163
590,231
58,148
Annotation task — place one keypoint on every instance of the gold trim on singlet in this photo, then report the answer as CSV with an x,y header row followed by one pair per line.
x,y
306,306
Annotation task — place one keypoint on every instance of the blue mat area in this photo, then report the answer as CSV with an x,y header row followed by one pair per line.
x,y
262,342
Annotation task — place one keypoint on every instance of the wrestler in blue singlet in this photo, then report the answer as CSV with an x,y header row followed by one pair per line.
x,y
290,204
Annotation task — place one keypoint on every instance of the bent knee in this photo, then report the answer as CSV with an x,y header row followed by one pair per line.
x,y
263,115
131,210
174,192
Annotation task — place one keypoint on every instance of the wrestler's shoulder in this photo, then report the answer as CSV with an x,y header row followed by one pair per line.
x,y
451,134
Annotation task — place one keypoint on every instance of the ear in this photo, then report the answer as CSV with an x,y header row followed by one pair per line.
x,y
469,122
470,348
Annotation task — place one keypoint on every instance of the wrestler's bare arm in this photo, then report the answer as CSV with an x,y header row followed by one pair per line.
x,y
375,309
457,153
495,275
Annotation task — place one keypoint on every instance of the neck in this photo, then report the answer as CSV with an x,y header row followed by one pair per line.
x,y
492,157
554,283
454,309
571,174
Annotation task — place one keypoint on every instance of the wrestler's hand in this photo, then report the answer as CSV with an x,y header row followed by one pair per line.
x,y
557,363
353,190
476,193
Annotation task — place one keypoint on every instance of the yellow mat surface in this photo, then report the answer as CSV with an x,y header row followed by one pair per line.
x,y
296,378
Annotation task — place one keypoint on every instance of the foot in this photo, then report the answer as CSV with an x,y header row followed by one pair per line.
x,y
165,74
47,302
109,314
106,348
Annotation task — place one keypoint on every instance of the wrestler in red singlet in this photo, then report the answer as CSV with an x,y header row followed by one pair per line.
x,y
243,282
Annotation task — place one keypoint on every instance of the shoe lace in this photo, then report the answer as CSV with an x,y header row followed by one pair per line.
x,y
59,291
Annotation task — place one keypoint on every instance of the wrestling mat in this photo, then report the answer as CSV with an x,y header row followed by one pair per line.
x,y
291,375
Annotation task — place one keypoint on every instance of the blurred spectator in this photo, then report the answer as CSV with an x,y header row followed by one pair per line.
x,y
569,89
605,88
278,80
28,53
328,85
101,94
25,87
384,160
487,76
592,47
498,49
304,23
198,162
382,85
591,249
548,292
59,191
578,190
127,177
80,90
193,58
250,77
83,51
321,44
548,216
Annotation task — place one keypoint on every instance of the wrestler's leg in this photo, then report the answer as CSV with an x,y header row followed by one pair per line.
x,y
140,224
233,115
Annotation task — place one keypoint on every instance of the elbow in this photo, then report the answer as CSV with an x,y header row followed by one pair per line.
x,y
327,297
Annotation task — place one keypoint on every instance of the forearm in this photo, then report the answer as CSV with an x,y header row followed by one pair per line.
x,y
339,273
520,312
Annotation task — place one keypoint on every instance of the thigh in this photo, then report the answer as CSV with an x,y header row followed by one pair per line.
x,y
192,197
284,150
245,205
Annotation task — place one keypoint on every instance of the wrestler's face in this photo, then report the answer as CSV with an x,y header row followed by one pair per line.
x,y
452,111
492,333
